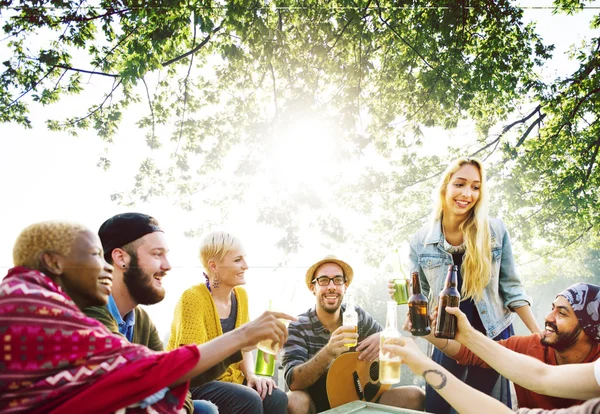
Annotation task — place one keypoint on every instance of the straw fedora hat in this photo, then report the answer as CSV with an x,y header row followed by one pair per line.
x,y
348,272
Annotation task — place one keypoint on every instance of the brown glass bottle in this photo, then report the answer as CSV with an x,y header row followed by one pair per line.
x,y
446,323
417,309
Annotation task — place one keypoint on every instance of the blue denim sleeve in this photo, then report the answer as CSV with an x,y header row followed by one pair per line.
x,y
511,287
413,257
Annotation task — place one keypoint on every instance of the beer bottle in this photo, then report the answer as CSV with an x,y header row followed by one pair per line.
x,y
446,323
417,309
389,365
350,317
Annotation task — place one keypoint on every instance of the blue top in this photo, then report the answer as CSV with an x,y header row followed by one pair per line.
x,y
125,325
504,291
469,308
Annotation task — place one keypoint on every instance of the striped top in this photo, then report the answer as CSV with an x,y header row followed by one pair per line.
x,y
308,336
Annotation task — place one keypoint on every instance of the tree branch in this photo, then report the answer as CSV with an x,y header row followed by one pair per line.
x,y
109,95
185,93
582,100
592,162
401,38
32,87
274,90
533,124
151,110
195,49
522,120
564,246
91,72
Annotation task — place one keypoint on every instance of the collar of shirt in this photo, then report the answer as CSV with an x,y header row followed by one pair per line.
x,y
125,324
317,326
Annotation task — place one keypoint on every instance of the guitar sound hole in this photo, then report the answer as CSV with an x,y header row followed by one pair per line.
x,y
374,371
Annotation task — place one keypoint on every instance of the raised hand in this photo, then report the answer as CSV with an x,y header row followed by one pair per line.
x,y
343,335
266,326
463,326
391,288
369,348
407,349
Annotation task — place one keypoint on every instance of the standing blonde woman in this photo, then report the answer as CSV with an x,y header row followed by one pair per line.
x,y
213,308
461,233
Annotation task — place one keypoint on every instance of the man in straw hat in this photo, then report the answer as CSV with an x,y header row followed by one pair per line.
x,y
318,337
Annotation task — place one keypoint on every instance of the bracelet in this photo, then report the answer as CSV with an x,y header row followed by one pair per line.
x,y
444,347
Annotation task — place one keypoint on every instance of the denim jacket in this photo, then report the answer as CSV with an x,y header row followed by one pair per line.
x,y
428,257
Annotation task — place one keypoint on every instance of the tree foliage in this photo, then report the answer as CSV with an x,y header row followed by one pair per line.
x,y
222,82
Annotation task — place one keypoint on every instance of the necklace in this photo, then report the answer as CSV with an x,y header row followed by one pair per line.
x,y
451,248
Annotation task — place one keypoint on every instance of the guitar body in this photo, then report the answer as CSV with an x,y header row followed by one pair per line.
x,y
350,379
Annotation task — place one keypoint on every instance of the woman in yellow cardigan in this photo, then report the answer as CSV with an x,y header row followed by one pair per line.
x,y
218,306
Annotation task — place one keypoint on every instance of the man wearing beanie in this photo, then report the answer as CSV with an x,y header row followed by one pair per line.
x,y
571,336
137,247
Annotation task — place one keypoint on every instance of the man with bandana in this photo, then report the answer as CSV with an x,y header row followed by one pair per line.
x,y
571,336
137,247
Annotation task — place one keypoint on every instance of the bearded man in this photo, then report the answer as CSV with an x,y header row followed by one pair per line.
x,y
137,247
318,337
571,335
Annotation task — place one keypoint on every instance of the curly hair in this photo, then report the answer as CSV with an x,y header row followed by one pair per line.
x,y
216,245
46,236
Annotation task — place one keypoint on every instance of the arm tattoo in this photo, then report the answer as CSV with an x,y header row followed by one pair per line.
x,y
441,376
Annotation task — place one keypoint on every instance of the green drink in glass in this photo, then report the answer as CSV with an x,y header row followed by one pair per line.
x,y
264,368
401,294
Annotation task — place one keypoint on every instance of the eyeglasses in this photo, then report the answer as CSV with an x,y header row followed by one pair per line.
x,y
325,281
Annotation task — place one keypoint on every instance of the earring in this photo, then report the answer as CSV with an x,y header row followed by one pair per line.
x,y
216,282
123,265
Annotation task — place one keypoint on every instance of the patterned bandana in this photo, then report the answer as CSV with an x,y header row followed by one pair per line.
x,y
585,300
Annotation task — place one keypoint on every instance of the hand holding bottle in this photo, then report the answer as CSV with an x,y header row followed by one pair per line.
x,y
409,352
463,326
267,326
449,297
407,326
340,338
389,364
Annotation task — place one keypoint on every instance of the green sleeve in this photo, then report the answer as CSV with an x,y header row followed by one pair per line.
x,y
102,315
154,341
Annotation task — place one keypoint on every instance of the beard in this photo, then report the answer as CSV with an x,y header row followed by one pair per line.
x,y
564,340
140,284
329,308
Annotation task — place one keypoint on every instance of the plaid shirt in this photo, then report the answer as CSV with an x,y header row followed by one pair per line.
x,y
308,336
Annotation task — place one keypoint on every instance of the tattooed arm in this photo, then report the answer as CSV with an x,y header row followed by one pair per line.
x,y
464,399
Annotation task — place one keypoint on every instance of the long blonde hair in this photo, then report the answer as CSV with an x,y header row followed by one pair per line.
x,y
477,263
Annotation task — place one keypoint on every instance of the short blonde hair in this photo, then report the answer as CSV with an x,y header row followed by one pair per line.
x,y
216,245
46,236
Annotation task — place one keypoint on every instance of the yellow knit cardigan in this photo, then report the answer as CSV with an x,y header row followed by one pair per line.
x,y
196,321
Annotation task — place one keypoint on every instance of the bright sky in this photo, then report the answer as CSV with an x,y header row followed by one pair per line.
x,y
47,175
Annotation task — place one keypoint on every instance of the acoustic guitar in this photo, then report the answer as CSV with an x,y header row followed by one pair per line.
x,y
350,379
